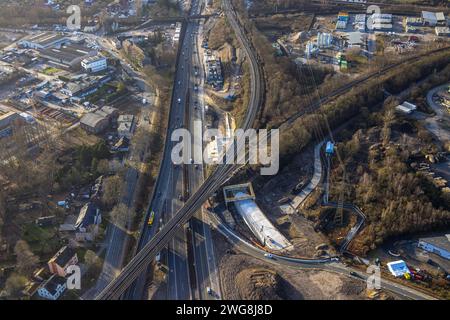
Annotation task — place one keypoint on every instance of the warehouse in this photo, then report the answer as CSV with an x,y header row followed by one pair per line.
x,y
98,121
436,245
44,40
431,18
67,56
94,123
7,120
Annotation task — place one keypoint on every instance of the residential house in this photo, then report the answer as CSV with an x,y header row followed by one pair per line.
x,y
53,288
64,258
86,226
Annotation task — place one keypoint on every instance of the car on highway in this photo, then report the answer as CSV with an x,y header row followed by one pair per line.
x,y
151,218
209,291
179,100
196,87
268,255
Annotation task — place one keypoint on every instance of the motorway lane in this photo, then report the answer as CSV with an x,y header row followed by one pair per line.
x,y
205,265
169,187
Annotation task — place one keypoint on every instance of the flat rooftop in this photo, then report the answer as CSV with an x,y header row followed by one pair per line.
x,y
67,52
45,38
442,242
93,59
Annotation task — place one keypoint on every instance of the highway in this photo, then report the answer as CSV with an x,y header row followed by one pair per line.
x,y
140,262
206,271
170,187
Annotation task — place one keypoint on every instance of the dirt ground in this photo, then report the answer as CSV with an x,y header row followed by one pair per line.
x,y
245,277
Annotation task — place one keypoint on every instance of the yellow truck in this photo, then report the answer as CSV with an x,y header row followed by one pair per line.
x,y
151,218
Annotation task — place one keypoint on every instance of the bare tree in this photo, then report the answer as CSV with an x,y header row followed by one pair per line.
x,y
25,258
112,190
119,215
15,284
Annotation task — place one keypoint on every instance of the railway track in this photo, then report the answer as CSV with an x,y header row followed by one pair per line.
x,y
352,84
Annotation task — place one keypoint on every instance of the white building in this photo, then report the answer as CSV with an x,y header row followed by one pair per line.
x,y
437,245
258,223
406,108
52,288
443,31
94,64
429,18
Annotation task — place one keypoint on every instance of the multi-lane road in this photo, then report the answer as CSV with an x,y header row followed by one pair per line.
x,y
170,190
139,264
205,268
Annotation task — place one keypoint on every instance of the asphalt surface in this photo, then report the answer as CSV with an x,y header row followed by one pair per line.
x,y
140,262
206,272
170,186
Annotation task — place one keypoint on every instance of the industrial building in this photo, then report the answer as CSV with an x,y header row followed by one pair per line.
x,y
381,22
82,87
94,64
126,125
67,56
342,20
360,22
442,31
98,121
433,18
356,39
436,245
324,40
214,75
413,21
8,119
44,40
242,196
